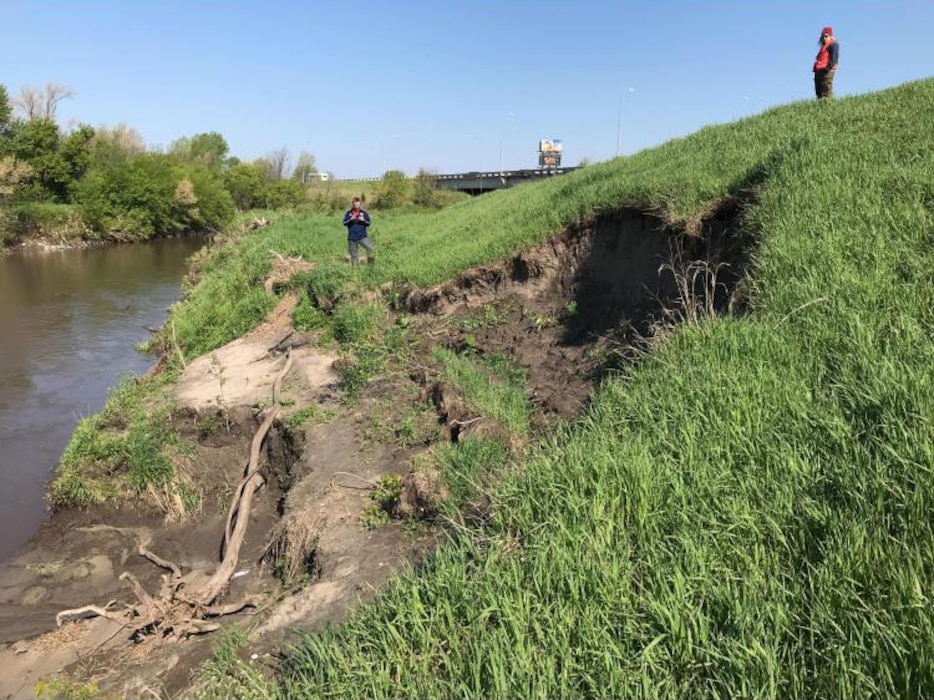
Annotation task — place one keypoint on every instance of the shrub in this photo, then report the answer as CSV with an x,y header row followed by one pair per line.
x,y
393,191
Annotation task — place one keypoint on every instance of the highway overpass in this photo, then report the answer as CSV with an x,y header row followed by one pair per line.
x,y
480,182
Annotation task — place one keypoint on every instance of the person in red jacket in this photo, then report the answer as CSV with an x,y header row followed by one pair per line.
x,y
825,66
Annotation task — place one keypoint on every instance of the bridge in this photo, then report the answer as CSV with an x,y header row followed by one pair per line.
x,y
478,183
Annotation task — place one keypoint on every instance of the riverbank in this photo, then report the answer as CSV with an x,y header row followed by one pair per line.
x,y
77,557
740,507
317,537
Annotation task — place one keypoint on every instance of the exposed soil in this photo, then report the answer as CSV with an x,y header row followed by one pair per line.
x,y
566,312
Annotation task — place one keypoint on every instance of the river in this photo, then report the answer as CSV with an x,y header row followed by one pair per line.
x,y
70,322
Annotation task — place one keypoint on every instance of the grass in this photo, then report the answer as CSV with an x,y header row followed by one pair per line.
x,y
227,675
747,512
125,449
493,387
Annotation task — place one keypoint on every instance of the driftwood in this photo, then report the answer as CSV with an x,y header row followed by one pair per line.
x,y
178,610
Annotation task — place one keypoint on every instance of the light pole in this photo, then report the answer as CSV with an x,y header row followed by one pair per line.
x,y
502,128
619,123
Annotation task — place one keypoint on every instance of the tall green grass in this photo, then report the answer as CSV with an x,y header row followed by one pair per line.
x,y
750,510
125,449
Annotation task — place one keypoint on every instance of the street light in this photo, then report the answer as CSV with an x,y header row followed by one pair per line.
x,y
502,128
619,123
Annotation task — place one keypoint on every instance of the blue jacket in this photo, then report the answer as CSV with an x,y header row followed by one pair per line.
x,y
356,227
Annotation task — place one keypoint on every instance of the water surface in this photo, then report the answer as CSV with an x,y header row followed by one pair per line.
x,y
69,324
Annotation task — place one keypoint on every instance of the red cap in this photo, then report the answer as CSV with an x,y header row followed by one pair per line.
x,y
827,30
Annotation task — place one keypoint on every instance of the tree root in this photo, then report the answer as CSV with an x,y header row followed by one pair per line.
x,y
94,610
177,611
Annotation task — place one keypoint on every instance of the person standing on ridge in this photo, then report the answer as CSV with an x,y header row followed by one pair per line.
x,y
825,66
357,220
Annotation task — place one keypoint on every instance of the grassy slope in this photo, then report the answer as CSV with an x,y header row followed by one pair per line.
x,y
748,512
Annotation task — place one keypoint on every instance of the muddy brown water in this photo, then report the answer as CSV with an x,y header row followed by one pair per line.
x,y
70,321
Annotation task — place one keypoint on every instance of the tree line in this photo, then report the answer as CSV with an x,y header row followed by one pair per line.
x,y
107,184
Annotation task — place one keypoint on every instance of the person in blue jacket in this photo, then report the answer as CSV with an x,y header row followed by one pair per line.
x,y
357,220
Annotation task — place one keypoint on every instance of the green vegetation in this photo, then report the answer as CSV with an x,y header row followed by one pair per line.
x,y
125,449
493,387
747,512
102,184
385,495
63,688
226,675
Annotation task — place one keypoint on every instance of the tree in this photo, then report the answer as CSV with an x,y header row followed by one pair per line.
x,y
152,195
37,143
209,150
181,148
244,181
12,173
75,151
282,193
57,163
6,121
393,190
304,167
425,190
6,111
42,103
277,164
112,146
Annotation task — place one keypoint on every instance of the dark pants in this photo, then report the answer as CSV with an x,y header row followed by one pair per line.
x,y
823,83
367,246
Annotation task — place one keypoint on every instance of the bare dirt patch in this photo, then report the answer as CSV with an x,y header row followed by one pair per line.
x,y
589,300
566,312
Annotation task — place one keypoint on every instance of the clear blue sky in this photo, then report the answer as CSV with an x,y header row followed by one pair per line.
x,y
449,85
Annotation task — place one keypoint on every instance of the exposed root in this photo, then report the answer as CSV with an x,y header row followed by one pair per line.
x,y
89,611
161,563
177,611
238,517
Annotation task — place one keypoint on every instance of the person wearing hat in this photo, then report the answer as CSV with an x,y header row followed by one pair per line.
x,y
825,66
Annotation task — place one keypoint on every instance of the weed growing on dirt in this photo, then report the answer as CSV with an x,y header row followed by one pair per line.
x,y
62,688
294,422
227,675
373,517
385,494
494,389
366,347
387,491
487,319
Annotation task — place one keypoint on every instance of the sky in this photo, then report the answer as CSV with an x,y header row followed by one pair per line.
x,y
446,85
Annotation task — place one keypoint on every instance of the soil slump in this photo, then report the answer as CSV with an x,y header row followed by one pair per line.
x,y
564,312
573,308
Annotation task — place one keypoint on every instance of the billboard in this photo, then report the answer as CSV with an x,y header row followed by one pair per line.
x,y
549,153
